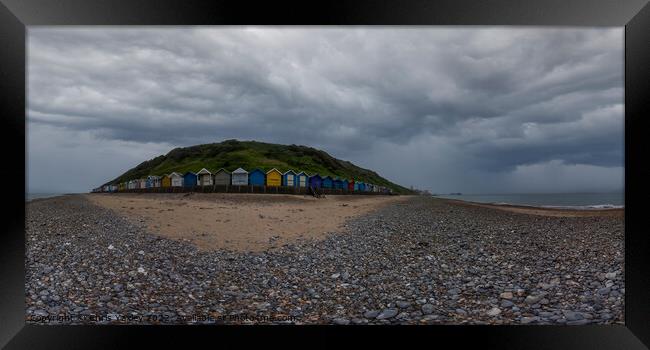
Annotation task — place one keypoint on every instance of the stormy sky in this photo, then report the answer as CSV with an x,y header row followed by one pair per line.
x,y
449,109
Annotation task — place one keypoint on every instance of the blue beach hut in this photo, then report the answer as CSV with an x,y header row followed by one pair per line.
x,y
256,178
337,183
327,182
345,184
315,181
290,179
190,179
361,186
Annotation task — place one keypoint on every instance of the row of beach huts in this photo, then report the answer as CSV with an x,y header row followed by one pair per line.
x,y
241,180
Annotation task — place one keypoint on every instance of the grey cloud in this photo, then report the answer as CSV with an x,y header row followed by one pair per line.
x,y
485,101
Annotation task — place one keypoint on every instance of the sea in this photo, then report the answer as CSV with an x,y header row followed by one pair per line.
x,y
547,200
31,196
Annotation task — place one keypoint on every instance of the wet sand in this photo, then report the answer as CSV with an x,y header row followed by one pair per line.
x,y
558,212
240,222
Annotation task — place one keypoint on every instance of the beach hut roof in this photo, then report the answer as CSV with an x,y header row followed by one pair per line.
x,y
258,170
290,171
153,177
223,170
204,171
189,172
175,174
302,172
240,171
274,169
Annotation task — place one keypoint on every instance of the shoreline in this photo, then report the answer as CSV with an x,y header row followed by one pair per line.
x,y
540,210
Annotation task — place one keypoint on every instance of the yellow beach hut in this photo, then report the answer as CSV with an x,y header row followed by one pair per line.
x,y
166,181
273,177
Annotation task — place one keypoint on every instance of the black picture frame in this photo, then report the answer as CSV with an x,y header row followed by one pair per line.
x,y
15,15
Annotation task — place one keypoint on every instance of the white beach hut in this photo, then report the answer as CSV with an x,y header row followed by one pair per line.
x,y
205,177
177,179
239,177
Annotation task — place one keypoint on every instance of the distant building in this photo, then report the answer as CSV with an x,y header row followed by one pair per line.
x,y
303,179
204,177
289,179
256,178
176,179
239,177
190,179
222,177
153,181
273,178
315,181
166,181
327,182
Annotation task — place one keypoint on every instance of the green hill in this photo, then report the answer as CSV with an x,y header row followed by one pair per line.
x,y
232,154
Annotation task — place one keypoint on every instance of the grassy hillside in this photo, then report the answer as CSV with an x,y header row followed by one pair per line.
x,y
232,154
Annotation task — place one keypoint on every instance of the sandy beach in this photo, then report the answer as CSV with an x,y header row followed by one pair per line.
x,y
240,222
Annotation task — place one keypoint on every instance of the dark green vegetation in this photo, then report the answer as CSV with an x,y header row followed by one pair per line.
x,y
232,154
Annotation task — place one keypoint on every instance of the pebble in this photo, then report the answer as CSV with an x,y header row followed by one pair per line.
x,y
604,291
572,316
341,321
526,320
403,304
506,295
533,299
387,313
40,312
495,311
371,314
427,309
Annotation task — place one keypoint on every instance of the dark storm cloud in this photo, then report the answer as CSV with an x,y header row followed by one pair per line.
x,y
485,102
